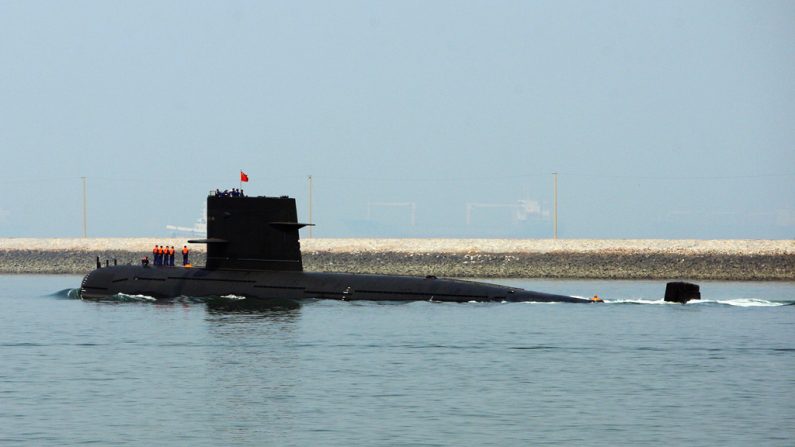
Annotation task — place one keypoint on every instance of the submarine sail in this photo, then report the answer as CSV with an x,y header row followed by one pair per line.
x,y
252,233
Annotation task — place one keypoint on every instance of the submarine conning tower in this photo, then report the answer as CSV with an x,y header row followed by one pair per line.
x,y
252,233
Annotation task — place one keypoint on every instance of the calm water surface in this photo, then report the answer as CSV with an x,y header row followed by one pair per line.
x,y
630,372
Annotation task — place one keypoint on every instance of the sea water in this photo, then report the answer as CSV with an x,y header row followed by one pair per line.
x,y
634,371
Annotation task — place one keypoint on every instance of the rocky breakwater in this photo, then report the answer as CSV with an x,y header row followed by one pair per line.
x,y
578,258
77,255
527,258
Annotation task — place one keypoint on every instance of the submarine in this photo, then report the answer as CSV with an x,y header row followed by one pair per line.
x,y
253,252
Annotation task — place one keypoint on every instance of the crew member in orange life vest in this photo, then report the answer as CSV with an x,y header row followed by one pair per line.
x,y
171,252
185,252
154,255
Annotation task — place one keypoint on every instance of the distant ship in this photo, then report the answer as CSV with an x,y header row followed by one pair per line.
x,y
253,252
199,228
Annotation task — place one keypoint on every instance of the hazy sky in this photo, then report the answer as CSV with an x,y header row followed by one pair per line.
x,y
667,119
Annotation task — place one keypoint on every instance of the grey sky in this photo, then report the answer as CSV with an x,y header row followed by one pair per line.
x,y
664,119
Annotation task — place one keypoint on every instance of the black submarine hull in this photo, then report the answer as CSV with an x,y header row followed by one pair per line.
x,y
253,251
170,282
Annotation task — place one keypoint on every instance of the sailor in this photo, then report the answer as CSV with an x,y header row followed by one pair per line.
x,y
154,255
171,252
145,261
160,254
185,252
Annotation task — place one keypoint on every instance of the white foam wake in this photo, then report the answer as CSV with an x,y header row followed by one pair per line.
x,y
637,301
126,297
749,302
737,302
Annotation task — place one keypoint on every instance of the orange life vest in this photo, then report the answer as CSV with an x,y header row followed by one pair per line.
x,y
184,250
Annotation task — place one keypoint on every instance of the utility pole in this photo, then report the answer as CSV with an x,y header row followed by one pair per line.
x,y
310,206
85,233
555,214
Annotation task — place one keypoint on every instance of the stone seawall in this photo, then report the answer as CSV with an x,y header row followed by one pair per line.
x,y
562,265
594,259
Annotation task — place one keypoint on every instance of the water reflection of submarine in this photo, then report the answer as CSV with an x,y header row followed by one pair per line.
x,y
253,251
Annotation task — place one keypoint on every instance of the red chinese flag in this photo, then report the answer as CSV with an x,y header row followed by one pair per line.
x,y
243,177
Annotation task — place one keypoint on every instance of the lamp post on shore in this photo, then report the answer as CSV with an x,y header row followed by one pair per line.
x,y
555,200
85,232
309,179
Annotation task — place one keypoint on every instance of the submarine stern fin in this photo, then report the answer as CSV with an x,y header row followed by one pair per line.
x,y
681,292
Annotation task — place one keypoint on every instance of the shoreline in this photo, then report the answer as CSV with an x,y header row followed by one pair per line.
x,y
738,260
